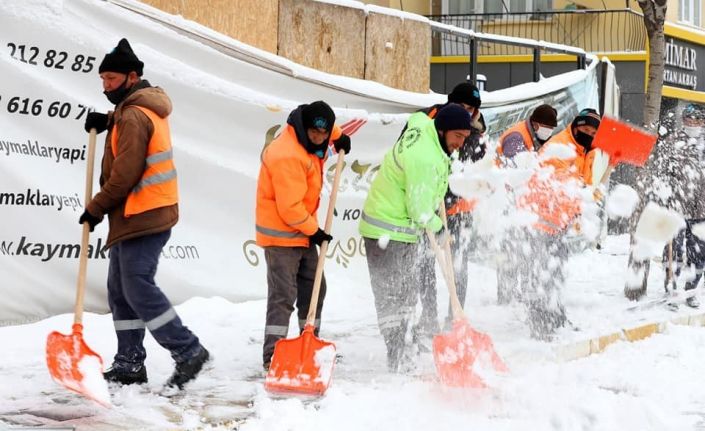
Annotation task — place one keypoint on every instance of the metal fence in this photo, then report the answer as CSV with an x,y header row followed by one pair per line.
x,y
620,30
472,40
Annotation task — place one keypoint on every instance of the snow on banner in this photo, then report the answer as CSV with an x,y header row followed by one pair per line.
x,y
220,124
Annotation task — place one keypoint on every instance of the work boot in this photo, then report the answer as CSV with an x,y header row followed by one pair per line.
x,y
188,370
126,374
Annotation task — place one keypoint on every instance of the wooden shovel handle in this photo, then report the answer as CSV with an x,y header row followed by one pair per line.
x,y
445,260
311,317
83,260
455,305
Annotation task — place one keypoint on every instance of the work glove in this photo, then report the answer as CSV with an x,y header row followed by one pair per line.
x,y
342,143
320,236
90,218
97,121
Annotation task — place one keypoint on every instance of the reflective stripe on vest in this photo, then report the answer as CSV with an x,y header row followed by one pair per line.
x,y
157,187
388,226
279,233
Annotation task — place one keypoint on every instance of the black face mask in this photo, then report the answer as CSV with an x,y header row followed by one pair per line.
x,y
318,150
583,139
118,95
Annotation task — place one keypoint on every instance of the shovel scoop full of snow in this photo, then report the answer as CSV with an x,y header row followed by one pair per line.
x,y
73,364
464,357
302,365
623,142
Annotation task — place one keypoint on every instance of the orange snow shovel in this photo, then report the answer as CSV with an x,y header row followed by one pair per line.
x,y
463,354
624,142
70,361
304,365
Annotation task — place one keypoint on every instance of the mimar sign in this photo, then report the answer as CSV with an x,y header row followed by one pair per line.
x,y
681,64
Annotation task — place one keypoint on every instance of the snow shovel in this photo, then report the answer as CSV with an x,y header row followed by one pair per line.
x,y
70,361
624,142
304,365
463,354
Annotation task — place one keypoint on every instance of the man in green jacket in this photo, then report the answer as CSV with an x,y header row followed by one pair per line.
x,y
403,202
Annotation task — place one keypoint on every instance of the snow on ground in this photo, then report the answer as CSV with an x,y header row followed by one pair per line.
x,y
649,385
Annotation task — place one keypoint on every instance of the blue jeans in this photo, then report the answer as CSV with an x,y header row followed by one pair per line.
x,y
137,303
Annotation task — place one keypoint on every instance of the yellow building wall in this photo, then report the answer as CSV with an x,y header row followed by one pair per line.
x,y
596,4
673,10
599,32
421,7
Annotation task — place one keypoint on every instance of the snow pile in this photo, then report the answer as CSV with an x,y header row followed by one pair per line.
x,y
325,361
93,382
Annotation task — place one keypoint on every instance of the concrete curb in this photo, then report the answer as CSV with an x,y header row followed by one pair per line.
x,y
585,348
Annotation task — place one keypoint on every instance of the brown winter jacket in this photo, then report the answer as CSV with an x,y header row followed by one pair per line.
x,y
121,173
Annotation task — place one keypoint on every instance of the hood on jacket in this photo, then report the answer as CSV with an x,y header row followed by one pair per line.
x,y
296,121
152,98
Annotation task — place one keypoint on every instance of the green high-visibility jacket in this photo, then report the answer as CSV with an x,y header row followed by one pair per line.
x,y
409,186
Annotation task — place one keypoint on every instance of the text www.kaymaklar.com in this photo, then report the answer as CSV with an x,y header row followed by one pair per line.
x,y
47,251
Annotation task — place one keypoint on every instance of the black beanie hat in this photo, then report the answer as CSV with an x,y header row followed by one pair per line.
x,y
587,117
453,117
466,93
546,115
318,115
121,60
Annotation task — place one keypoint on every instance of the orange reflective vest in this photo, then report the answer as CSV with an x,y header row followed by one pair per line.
x,y
549,200
547,197
522,128
582,161
157,187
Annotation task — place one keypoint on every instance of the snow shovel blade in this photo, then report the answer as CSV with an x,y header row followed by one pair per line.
x,y
301,365
74,365
463,354
624,142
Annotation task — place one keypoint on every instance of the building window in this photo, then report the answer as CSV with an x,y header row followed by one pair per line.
x,y
461,7
689,12
496,6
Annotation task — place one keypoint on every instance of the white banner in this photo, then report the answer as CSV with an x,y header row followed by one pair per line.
x,y
49,55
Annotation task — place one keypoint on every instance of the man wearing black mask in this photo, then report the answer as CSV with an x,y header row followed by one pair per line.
x,y
286,222
578,135
139,194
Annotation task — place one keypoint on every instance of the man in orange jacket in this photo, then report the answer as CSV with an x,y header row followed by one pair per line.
x,y
527,135
139,194
577,136
288,193
554,201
